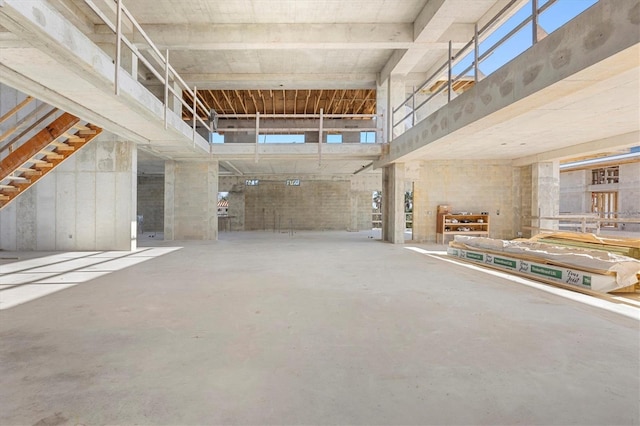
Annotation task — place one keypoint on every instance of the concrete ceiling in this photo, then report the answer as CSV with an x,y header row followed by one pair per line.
x,y
301,44
566,120
150,164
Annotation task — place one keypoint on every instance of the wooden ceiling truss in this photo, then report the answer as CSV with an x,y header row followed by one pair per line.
x,y
294,102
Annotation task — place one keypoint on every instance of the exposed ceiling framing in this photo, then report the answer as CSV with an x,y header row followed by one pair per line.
x,y
233,102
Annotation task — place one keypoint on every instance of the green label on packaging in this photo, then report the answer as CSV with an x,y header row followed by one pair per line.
x,y
504,262
547,272
586,280
475,256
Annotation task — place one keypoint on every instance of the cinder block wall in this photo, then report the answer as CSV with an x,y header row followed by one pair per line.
x,y
629,193
151,202
312,205
473,186
319,203
525,183
576,189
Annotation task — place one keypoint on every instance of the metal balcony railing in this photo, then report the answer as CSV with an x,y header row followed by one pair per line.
x,y
449,72
157,63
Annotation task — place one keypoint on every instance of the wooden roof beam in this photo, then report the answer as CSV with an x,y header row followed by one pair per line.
x,y
226,97
317,104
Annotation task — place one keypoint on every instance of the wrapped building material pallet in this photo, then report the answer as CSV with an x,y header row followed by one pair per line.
x,y
592,270
625,246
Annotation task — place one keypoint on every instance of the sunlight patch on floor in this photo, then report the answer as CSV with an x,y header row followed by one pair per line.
x,y
24,281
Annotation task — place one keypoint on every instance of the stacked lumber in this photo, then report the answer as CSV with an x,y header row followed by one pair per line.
x,y
624,246
593,270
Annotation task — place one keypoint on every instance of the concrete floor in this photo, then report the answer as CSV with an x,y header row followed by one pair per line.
x,y
318,328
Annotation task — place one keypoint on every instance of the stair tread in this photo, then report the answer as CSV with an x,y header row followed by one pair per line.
x,y
42,153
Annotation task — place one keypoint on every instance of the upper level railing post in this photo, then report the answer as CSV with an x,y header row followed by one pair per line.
x,y
320,129
476,50
534,21
449,73
413,107
195,111
166,87
257,134
118,44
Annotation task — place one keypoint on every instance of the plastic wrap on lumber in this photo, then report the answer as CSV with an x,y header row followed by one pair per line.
x,y
624,268
591,238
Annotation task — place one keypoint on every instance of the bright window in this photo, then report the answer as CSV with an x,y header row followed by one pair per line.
x,y
276,138
367,137
336,138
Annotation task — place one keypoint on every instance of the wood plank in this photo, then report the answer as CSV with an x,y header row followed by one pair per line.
x,y
44,165
17,178
52,155
61,146
73,138
31,172
15,109
86,132
34,145
29,128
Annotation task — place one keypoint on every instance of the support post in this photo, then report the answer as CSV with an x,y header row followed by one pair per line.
x,y
320,137
534,21
166,88
393,216
195,106
476,51
118,45
413,107
449,73
257,133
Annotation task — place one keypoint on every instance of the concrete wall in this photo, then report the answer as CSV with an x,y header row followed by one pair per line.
x,y
574,194
576,189
319,203
629,193
151,202
472,186
86,203
9,98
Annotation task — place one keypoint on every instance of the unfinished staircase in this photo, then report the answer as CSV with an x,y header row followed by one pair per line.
x,y
31,153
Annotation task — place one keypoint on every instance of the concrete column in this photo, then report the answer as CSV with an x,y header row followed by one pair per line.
x,y
354,211
382,110
86,203
545,192
396,94
628,195
393,219
191,200
236,207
